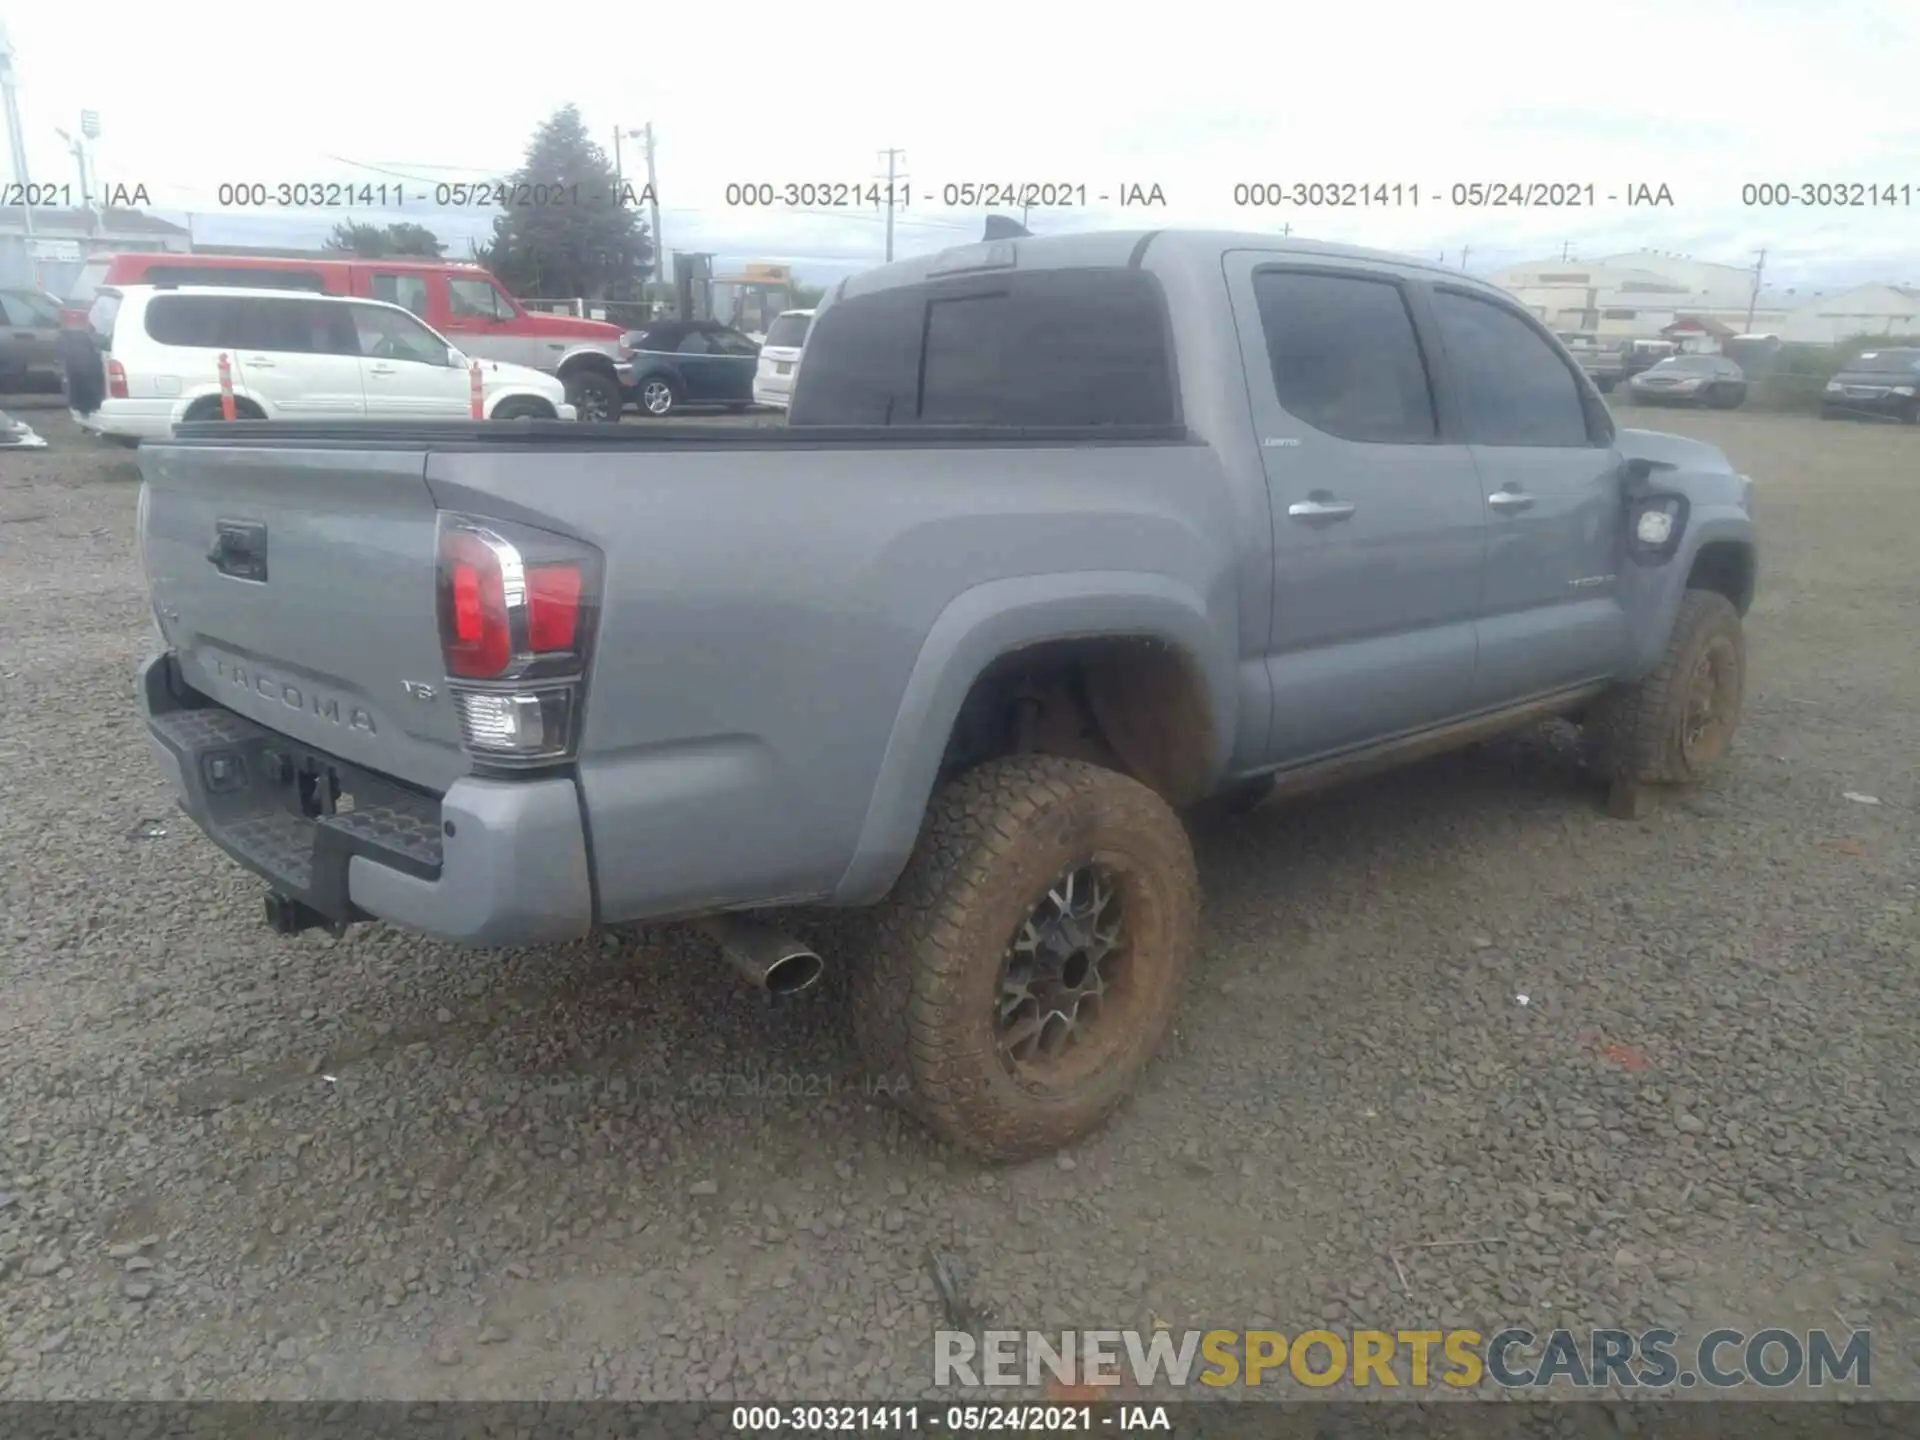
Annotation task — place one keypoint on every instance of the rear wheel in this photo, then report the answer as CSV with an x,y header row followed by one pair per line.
x,y
523,408
207,407
659,396
595,396
1026,966
1675,724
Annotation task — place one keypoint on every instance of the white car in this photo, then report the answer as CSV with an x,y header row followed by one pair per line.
x,y
780,358
291,356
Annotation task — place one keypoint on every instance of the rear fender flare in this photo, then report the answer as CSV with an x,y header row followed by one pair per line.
x,y
994,619
201,392
585,359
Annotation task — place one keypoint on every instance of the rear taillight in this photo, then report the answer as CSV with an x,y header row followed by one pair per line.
x,y
515,624
116,380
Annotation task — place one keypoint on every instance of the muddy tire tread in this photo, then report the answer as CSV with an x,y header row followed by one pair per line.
x,y
907,1004
1629,729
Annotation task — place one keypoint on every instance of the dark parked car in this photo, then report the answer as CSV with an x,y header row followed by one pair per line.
x,y
30,339
1710,380
690,362
1883,383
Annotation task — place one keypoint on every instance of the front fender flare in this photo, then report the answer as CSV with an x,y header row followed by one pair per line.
x,y
1652,595
991,620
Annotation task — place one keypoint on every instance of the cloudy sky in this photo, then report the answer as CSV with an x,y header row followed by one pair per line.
x,y
1701,97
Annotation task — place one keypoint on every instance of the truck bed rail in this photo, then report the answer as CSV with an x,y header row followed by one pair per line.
x,y
460,435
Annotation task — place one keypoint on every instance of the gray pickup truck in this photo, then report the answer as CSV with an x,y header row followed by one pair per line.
x,y
1064,535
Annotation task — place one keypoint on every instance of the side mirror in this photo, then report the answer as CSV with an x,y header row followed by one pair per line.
x,y
455,359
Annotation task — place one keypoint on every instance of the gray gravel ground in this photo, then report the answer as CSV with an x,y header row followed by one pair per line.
x,y
233,1166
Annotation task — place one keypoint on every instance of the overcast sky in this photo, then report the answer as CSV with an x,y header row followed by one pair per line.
x,y
1700,96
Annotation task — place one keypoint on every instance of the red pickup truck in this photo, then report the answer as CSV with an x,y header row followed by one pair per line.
x,y
462,301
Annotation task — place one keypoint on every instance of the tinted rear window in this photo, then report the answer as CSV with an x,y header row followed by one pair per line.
x,y
789,332
1048,347
199,321
1886,362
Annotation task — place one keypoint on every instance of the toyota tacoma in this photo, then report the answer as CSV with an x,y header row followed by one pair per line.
x,y
1064,536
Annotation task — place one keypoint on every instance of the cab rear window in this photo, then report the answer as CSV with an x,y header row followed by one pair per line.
x,y
1068,347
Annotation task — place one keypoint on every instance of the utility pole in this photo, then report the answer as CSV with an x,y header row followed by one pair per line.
x,y
16,138
1286,229
893,178
1566,251
1753,301
653,209
1463,256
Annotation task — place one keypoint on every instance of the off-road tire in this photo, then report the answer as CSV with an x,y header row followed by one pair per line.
x,y
586,386
523,408
208,407
1636,732
924,996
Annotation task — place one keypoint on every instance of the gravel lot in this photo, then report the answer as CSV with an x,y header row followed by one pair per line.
x,y
234,1166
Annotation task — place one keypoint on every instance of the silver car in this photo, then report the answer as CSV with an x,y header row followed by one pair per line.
x,y
1709,380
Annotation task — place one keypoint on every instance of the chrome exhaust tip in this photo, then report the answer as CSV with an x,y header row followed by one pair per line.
x,y
766,958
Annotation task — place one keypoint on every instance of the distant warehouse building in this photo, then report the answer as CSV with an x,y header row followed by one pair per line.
x,y
1647,294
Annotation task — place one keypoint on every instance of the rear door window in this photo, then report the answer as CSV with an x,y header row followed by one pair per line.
x,y
402,288
1041,348
1345,355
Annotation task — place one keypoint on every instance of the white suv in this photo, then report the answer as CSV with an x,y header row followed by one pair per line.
x,y
292,356
780,358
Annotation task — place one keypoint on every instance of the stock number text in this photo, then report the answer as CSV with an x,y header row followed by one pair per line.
x,y
1821,194
316,194
1342,193
816,194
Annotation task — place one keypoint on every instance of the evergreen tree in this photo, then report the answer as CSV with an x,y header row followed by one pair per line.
x,y
569,225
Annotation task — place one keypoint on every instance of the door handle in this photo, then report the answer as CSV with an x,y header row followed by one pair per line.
x,y
1510,500
258,362
1314,508
380,369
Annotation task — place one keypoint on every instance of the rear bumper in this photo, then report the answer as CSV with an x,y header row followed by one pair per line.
x,y
130,419
1886,405
490,863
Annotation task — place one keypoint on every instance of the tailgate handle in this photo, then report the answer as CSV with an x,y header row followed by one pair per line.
x,y
240,549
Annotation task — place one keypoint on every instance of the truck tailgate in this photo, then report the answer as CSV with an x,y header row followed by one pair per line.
x,y
297,588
